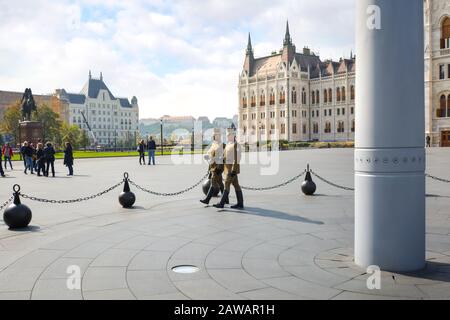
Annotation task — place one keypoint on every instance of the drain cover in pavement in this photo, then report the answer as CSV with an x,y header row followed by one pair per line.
x,y
185,269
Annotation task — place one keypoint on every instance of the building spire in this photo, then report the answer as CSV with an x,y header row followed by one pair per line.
x,y
90,75
287,36
249,45
101,76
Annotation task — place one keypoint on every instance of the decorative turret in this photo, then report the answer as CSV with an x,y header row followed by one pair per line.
x,y
287,36
101,76
90,75
134,101
288,52
249,58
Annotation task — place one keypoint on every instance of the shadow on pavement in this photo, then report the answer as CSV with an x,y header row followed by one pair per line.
x,y
437,271
273,214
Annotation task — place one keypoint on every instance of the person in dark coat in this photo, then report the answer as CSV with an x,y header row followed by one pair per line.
x,y
49,153
141,150
40,159
68,158
2,173
28,155
151,151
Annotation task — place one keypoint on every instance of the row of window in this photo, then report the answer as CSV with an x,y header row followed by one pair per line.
x,y
315,97
314,113
340,128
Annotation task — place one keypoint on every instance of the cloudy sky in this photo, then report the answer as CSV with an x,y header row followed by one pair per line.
x,y
180,57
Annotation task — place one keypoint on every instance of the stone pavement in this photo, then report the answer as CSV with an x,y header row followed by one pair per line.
x,y
282,246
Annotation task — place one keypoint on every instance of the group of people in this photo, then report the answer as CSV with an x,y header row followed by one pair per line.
x,y
151,147
37,158
224,161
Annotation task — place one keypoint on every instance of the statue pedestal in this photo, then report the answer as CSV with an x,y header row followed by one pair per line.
x,y
31,131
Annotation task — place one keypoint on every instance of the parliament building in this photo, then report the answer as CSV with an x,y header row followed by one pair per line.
x,y
295,96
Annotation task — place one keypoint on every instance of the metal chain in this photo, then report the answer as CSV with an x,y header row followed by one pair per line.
x,y
276,186
331,183
169,194
6,203
437,179
73,200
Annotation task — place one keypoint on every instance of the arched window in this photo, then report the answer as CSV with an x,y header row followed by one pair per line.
x,y
338,94
262,99
253,99
303,96
244,101
353,125
313,97
448,106
327,127
318,97
442,106
325,96
341,127
343,94
330,95
282,96
294,96
445,34
272,97
352,93
315,128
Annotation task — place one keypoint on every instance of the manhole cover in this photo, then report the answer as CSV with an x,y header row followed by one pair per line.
x,y
185,269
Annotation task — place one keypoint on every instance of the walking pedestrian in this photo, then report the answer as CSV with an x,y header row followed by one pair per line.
x,y
428,141
49,153
7,155
151,151
68,158
232,158
215,159
141,150
40,159
28,156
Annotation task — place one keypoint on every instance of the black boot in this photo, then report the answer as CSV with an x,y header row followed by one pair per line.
x,y
210,194
240,198
224,199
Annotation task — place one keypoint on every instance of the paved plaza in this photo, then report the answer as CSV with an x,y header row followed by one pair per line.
x,y
282,246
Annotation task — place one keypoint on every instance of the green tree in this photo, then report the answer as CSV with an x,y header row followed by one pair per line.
x,y
83,140
10,121
69,133
50,122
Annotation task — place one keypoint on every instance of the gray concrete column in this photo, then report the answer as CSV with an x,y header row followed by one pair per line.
x,y
390,154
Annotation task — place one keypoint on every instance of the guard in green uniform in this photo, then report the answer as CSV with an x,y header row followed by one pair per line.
x,y
215,159
232,158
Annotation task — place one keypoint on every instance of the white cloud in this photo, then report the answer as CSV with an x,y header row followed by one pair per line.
x,y
179,57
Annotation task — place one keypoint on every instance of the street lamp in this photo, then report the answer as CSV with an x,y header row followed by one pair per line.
x,y
258,143
162,139
192,141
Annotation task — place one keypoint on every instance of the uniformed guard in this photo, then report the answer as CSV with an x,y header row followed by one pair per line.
x,y
215,158
232,158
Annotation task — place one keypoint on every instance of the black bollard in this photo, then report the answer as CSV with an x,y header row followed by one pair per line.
x,y
127,198
17,215
206,186
308,186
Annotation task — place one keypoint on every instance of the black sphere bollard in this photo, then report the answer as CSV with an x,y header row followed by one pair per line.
x,y
308,186
17,215
206,186
127,198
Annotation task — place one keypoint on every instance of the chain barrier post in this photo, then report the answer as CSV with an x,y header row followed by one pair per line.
x,y
127,198
308,186
17,215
